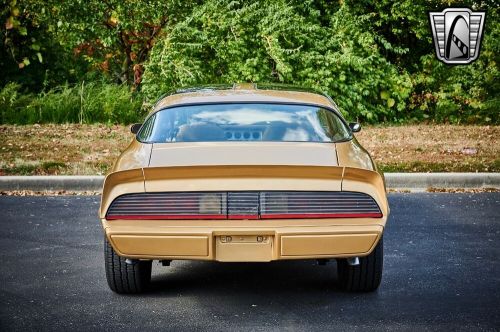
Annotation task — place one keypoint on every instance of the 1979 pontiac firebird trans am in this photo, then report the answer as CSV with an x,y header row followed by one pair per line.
x,y
244,173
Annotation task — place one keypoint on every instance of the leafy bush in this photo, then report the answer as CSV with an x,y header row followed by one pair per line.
x,y
374,58
276,41
461,94
83,103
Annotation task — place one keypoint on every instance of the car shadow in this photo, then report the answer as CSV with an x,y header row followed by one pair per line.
x,y
245,279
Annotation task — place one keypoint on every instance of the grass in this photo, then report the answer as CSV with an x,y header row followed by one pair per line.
x,y
28,168
426,167
60,149
91,149
434,148
83,103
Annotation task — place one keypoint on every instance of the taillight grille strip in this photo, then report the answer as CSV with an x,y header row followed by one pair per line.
x,y
244,205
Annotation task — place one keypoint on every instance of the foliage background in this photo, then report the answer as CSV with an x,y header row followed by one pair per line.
x,y
98,61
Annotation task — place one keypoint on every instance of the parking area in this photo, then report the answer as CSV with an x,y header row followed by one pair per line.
x,y
442,271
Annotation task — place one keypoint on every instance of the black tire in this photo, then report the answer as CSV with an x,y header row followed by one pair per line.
x,y
125,278
364,277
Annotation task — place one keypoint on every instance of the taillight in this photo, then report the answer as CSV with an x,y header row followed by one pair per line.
x,y
176,205
244,205
278,205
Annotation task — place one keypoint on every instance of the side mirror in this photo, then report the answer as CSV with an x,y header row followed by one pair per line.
x,y
355,127
134,129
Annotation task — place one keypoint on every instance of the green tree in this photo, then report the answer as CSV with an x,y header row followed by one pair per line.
x,y
115,36
30,53
376,58
441,92
282,41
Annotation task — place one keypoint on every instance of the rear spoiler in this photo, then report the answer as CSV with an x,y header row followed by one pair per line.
x,y
236,177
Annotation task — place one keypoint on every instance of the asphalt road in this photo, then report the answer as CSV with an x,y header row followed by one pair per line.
x,y
442,272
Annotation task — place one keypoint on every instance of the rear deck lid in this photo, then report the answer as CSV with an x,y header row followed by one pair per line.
x,y
243,153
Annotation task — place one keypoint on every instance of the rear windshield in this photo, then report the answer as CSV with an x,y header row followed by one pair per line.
x,y
244,122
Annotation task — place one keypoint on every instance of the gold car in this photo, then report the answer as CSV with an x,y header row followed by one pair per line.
x,y
244,173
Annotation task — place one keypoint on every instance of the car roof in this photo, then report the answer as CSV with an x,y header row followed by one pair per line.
x,y
244,92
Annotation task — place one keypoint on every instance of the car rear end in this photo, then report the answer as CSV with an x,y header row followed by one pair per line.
x,y
240,213
244,181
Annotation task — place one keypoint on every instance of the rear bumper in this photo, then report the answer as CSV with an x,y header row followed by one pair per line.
x,y
244,241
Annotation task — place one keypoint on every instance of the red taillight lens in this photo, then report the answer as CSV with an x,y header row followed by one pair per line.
x,y
244,205
320,215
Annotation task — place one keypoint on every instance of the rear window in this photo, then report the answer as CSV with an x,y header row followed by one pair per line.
x,y
244,122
